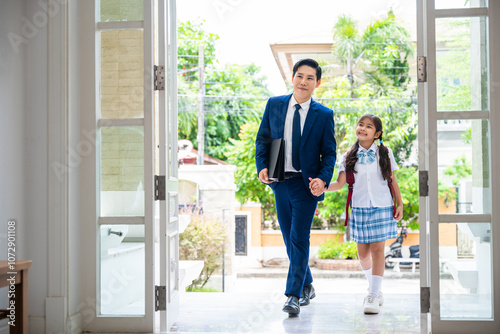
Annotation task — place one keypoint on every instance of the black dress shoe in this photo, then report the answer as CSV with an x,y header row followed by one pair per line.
x,y
308,293
292,305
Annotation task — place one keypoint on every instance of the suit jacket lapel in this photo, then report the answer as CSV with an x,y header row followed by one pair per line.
x,y
282,111
311,116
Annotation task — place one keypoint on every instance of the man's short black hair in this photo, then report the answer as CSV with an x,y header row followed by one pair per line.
x,y
308,62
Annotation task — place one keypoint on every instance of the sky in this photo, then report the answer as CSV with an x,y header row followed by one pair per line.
x,y
247,27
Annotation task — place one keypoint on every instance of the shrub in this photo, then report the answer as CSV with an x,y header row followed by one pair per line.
x,y
333,249
204,240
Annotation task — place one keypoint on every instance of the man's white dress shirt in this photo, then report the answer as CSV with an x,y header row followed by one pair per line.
x,y
287,135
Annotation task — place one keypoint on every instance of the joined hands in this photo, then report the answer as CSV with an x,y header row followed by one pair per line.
x,y
317,186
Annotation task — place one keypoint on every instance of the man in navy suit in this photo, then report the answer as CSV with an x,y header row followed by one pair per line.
x,y
307,128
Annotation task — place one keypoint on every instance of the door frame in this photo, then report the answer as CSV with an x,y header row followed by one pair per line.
x,y
428,211
168,167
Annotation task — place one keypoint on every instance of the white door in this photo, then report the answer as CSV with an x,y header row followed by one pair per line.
x,y
458,151
168,288
119,115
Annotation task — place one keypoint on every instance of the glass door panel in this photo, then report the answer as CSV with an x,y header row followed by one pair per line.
x,y
122,74
122,278
121,10
124,168
465,278
463,166
446,4
462,64
122,171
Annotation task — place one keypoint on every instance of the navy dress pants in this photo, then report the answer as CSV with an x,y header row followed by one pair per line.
x,y
296,206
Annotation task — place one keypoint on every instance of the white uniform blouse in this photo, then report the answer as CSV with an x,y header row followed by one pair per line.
x,y
370,189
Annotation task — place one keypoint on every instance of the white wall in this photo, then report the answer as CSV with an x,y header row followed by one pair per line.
x,y
12,128
11,123
34,235
24,148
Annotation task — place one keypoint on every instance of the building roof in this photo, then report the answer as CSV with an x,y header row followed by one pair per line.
x,y
188,155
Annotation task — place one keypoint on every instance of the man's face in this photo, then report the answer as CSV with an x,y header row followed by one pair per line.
x,y
304,82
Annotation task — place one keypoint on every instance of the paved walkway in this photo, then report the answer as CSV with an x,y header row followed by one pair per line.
x,y
253,305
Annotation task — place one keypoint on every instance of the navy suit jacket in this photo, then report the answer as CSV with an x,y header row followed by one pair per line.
x,y
318,149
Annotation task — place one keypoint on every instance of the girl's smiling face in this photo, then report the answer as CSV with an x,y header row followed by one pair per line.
x,y
366,131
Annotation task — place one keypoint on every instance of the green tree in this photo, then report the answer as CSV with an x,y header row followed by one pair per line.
x,y
241,153
234,94
379,56
190,36
453,66
408,185
388,46
460,169
375,80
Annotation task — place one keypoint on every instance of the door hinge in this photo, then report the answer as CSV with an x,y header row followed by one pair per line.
x,y
425,299
423,183
160,189
422,69
159,77
160,298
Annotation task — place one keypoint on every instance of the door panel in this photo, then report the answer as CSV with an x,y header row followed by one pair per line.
x,y
456,115
119,253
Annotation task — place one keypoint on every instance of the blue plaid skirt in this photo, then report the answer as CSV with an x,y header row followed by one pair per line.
x,y
372,224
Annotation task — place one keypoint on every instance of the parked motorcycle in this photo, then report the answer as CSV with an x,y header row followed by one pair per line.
x,y
395,250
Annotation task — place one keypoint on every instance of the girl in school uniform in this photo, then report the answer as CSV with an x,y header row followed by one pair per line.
x,y
373,218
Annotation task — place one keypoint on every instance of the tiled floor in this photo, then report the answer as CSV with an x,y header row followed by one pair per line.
x,y
336,309
328,313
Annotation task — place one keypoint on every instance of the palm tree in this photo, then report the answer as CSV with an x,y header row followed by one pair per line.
x,y
379,56
346,47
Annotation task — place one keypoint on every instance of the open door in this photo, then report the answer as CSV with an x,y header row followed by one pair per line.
x,y
458,162
117,126
167,292
129,167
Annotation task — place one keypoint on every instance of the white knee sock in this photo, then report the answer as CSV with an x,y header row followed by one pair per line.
x,y
368,274
376,284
